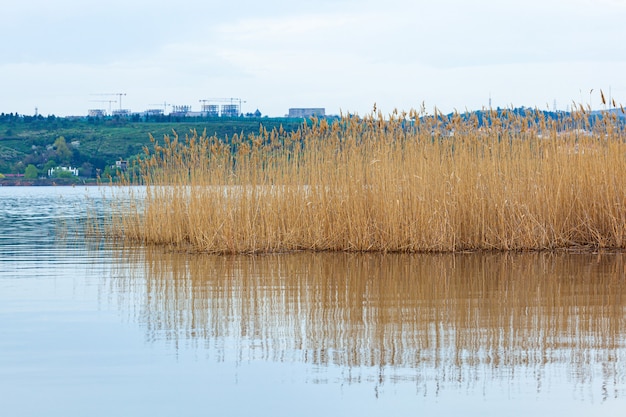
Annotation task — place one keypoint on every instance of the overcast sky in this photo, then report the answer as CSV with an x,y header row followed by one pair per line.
x,y
343,55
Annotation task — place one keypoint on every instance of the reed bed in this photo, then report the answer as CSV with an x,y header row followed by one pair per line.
x,y
407,182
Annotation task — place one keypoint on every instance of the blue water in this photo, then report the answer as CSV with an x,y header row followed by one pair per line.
x,y
91,329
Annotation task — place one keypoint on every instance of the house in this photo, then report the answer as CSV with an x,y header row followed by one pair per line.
x,y
73,171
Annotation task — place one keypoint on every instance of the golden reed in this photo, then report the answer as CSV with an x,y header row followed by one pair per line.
x,y
403,183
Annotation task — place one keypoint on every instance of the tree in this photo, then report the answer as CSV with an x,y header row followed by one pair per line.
x,y
62,174
108,173
31,172
63,152
86,170
50,164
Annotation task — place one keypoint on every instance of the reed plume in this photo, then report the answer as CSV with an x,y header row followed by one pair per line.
x,y
407,182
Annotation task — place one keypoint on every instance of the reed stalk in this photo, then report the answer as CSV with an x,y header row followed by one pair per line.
x,y
402,183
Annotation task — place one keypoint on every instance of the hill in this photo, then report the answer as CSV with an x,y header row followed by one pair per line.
x,y
35,144
92,144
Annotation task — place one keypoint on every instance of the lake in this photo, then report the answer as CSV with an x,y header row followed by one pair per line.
x,y
88,327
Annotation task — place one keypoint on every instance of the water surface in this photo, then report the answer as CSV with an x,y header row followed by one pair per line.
x,y
89,328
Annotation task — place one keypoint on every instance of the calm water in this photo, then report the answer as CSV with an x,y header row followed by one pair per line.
x,y
90,329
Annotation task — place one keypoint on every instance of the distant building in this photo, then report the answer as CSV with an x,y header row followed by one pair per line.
x,y
153,112
180,111
73,171
121,165
306,112
96,113
121,113
211,110
230,110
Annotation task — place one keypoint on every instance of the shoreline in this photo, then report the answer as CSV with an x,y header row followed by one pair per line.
x,y
11,182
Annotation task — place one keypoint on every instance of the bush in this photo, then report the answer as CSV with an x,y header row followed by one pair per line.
x,y
31,172
62,174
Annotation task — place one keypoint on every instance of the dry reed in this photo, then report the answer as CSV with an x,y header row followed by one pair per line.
x,y
402,183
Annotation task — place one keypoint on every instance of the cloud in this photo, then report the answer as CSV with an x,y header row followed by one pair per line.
x,y
336,54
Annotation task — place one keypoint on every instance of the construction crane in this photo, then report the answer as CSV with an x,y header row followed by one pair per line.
x,y
230,100
112,94
164,104
105,101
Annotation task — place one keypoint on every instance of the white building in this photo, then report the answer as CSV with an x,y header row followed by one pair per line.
x,y
74,171
96,113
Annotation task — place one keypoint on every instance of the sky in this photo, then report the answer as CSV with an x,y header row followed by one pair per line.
x,y
65,57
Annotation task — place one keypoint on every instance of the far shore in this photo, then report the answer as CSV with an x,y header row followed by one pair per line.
x,y
44,182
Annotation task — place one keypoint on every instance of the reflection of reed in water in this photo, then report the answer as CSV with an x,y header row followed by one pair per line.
x,y
461,315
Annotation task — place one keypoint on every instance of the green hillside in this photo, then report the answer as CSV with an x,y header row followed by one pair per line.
x,y
94,144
